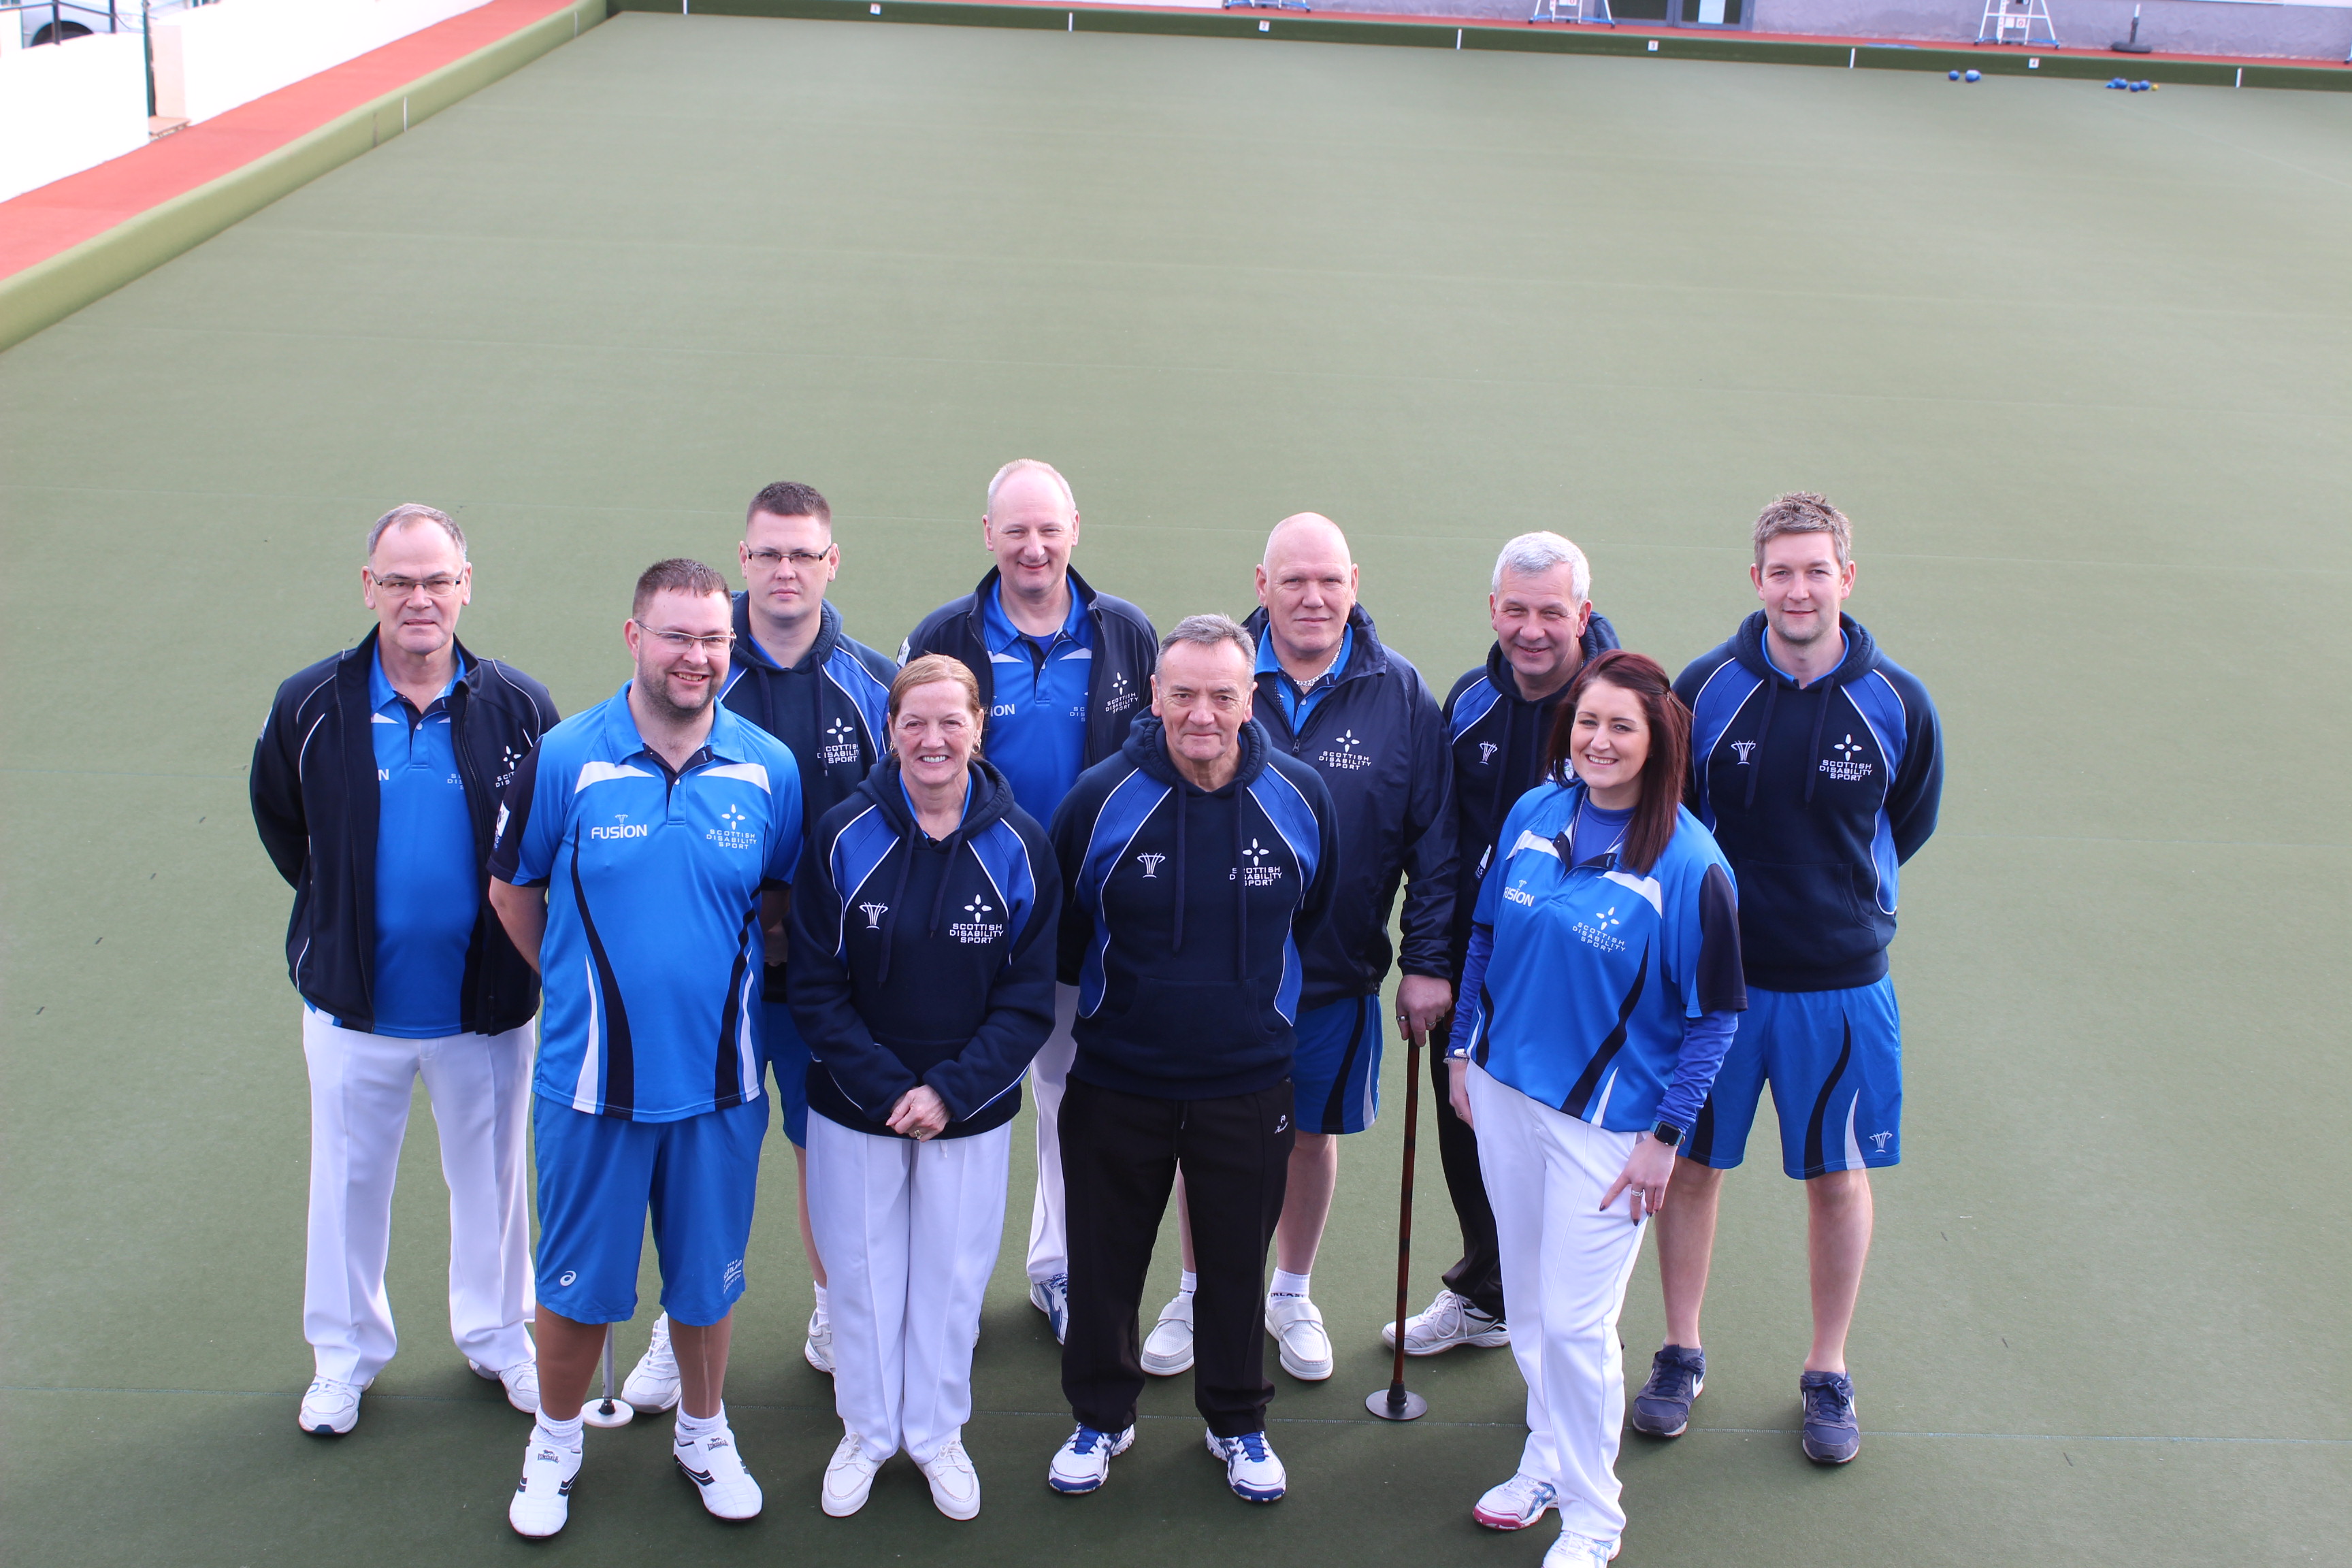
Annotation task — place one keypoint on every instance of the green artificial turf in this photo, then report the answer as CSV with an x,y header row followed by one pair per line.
x,y
2075,361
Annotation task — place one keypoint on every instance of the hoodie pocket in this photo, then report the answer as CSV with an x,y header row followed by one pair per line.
x,y
1195,1028
1806,916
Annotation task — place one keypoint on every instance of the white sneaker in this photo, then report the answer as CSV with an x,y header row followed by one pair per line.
x,y
1448,1321
1574,1551
716,1471
1515,1504
1296,1326
543,1498
1083,1462
1251,1468
818,1347
955,1485
848,1477
521,1382
652,1383
1168,1349
330,1408
1051,1296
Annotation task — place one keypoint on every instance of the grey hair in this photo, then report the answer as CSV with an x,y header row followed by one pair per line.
x,y
1209,630
1531,554
1028,465
410,512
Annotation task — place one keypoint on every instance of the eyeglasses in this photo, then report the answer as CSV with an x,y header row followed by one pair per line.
x,y
440,586
798,560
687,642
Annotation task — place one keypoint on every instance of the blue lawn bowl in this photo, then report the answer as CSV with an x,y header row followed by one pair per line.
x,y
1952,76
2118,85
1973,76
2139,87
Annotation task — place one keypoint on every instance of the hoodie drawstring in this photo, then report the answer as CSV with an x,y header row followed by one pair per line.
x,y
1814,752
1241,893
1756,762
1177,945
897,897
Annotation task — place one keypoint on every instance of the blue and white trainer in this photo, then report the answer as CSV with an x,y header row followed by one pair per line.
x,y
330,1408
1677,1377
716,1469
1575,1551
1051,1296
1515,1504
1251,1468
543,1498
1082,1463
1832,1435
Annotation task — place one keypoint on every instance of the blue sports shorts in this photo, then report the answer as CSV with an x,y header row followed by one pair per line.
x,y
1335,1076
782,1047
1834,1060
597,1177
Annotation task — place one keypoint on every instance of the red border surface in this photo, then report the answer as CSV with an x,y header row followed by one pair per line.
x,y
61,214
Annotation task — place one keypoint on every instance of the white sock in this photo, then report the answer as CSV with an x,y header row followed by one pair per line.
x,y
1288,1284
694,1428
1187,1282
562,1433
824,1310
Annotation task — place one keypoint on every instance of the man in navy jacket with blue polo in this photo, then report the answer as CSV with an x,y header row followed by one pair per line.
x,y
1817,763
1332,696
1498,722
1063,671
374,785
1198,865
797,674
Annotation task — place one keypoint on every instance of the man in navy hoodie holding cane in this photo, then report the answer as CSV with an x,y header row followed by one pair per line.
x,y
1196,865
1817,762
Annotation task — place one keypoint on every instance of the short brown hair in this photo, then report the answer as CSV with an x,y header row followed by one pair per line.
x,y
1802,511
789,498
930,669
675,575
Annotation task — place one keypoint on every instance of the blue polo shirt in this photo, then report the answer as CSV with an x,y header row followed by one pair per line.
x,y
427,900
1295,705
1037,715
651,965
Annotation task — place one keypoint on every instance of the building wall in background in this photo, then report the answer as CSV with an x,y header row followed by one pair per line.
x,y
67,107
238,50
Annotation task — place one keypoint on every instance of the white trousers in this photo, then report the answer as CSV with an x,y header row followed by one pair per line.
x,y
1049,1236
359,1089
908,1232
1565,1268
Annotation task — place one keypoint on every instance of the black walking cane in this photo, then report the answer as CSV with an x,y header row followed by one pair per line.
x,y
1396,1403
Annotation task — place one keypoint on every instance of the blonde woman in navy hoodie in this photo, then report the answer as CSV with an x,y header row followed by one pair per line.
x,y
922,978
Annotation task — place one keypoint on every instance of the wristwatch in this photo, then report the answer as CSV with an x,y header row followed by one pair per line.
x,y
1669,1134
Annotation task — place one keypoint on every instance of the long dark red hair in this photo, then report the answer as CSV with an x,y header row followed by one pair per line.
x,y
1669,760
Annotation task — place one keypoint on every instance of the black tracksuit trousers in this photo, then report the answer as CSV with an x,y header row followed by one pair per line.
x,y
1479,1275
1119,1154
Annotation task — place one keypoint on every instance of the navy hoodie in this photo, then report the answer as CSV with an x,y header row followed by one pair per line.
x,y
1498,739
1817,795
1379,742
922,960
1183,916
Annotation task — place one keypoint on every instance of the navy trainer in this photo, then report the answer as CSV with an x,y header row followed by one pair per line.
x,y
1833,1436
1677,1377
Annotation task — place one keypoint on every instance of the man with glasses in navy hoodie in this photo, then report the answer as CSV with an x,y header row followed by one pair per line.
x,y
1817,763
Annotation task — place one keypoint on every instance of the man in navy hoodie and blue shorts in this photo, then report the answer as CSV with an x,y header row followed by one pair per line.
x,y
1818,763
1197,864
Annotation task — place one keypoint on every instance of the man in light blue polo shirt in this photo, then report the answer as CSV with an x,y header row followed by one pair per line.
x,y
1037,714
642,853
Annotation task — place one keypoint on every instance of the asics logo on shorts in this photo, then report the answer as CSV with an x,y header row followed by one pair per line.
x,y
567,1277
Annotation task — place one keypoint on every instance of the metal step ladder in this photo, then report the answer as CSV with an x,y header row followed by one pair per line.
x,y
1574,11
2013,21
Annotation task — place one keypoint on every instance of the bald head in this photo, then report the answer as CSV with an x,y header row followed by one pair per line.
x,y
1031,526
1308,585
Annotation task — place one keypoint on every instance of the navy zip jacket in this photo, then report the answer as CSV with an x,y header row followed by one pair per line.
x,y
315,802
1498,739
832,708
1184,915
1119,684
1817,795
1379,742
922,960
